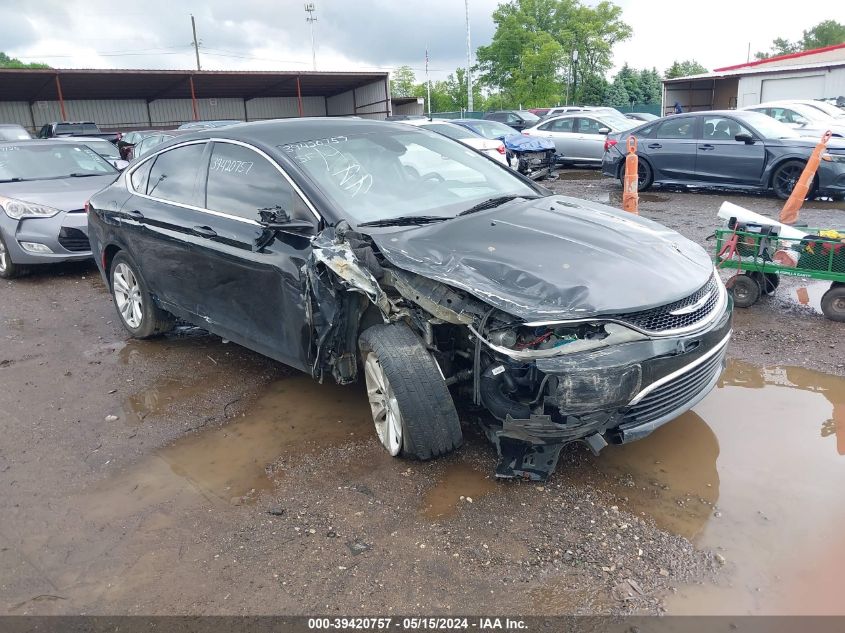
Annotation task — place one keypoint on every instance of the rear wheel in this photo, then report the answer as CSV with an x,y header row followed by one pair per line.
x,y
412,409
786,176
645,175
8,269
833,303
139,314
745,290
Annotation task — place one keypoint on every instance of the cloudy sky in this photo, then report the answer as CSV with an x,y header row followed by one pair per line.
x,y
364,34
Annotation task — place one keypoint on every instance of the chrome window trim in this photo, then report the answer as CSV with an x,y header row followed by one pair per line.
x,y
294,186
678,372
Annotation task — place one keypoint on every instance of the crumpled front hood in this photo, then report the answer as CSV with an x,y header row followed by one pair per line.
x,y
67,194
553,258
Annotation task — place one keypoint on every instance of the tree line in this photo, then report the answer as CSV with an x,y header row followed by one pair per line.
x,y
549,52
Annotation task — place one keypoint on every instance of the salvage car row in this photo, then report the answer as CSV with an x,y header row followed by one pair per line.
x,y
354,249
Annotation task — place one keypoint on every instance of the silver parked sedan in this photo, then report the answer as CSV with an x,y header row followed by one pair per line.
x,y
579,137
44,186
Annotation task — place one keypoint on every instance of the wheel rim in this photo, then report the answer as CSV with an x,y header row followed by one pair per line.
x,y
838,305
3,256
127,295
641,175
787,178
386,415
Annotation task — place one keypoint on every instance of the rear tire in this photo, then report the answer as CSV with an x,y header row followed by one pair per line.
x,y
645,175
833,303
768,282
139,314
745,290
412,408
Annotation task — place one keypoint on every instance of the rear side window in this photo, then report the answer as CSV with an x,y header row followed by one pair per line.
x,y
141,176
676,127
174,174
589,126
243,183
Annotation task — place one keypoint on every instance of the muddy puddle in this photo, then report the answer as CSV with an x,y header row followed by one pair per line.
x,y
757,473
458,483
230,462
579,174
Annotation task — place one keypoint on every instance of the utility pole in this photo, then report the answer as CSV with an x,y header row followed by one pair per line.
x,y
196,45
310,9
469,61
427,83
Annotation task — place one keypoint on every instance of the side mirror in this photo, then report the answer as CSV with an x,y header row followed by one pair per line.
x,y
744,138
604,130
277,219
119,164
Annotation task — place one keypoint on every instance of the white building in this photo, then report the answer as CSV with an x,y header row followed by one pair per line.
x,y
813,74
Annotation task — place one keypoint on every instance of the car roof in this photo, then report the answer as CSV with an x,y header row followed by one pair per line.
x,y
41,142
12,125
81,139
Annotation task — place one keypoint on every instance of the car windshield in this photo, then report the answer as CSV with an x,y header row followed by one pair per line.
x,y
618,122
76,128
451,130
827,108
386,174
492,129
767,127
37,161
103,148
528,116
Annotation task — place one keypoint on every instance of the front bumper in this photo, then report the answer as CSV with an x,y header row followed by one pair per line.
x,y
66,234
652,381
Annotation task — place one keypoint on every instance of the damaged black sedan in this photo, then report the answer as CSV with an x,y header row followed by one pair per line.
x,y
355,249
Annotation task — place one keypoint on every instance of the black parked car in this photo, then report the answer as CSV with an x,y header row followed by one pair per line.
x,y
517,119
342,247
733,149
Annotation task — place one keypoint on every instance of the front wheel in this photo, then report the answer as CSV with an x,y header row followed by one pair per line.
x,y
786,176
8,269
139,314
412,409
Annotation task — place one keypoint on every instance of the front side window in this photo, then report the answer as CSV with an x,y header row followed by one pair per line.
x,y
243,183
721,128
558,125
174,174
589,126
387,173
676,127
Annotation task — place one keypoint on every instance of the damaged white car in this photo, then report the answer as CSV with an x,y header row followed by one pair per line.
x,y
358,249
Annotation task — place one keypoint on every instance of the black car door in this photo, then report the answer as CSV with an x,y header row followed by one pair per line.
x,y
671,148
249,288
723,159
159,215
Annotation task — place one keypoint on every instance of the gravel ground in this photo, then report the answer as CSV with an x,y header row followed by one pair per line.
x,y
186,475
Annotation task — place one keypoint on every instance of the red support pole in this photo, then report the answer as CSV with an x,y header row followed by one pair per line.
x,y
299,94
61,97
194,99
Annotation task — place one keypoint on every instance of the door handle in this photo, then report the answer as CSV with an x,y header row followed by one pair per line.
x,y
655,146
135,215
204,231
707,146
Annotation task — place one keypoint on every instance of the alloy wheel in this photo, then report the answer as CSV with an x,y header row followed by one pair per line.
x,y
787,178
127,295
385,408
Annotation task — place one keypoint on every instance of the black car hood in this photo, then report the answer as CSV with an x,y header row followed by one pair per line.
x,y
553,258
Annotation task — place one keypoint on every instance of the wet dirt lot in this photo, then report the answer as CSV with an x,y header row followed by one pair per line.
x,y
188,475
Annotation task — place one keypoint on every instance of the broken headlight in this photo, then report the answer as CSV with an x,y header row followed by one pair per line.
x,y
19,209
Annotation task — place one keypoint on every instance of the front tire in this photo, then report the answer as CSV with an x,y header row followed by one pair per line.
x,y
8,269
412,408
139,314
745,290
786,176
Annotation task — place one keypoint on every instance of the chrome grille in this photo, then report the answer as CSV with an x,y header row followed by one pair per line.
x,y
675,393
662,319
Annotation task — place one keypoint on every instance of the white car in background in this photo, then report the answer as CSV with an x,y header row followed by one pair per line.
x,y
579,137
491,147
805,119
